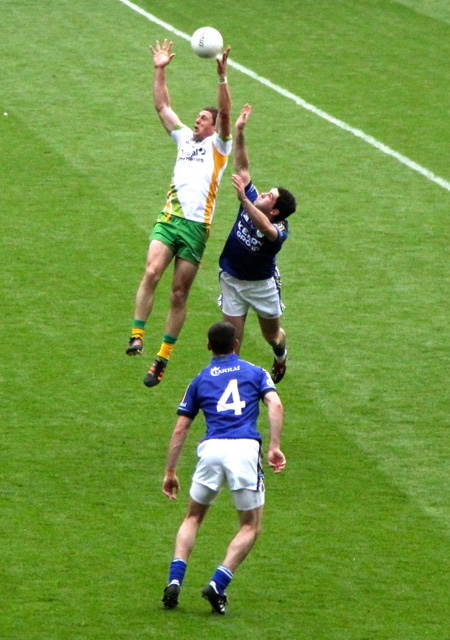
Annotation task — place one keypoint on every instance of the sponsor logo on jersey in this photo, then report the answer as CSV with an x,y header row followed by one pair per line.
x,y
190,153
245,236
217,371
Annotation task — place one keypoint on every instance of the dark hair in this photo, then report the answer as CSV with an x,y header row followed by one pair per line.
x,y
213,111
221,338
285,204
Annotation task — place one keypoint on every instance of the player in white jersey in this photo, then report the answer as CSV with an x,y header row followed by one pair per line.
x,y
182,228
228,392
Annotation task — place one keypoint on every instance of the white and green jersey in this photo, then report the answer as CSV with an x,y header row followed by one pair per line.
x,y
196,176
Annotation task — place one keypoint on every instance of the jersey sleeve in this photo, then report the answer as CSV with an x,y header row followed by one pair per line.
x,y
266,383
180,133
282,229
251,191
189,404
222,146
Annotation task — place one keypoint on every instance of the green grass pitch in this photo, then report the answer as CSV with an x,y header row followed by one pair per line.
x,y
356,530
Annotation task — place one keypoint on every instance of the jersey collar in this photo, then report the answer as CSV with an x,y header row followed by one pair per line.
x,y
225,358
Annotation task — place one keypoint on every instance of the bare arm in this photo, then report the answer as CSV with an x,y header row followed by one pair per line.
x,y
171,485
241,161
259,219
223,124
275,456
161,58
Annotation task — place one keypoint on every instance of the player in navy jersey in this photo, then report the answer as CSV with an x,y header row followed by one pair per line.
x,y
228,392
248,273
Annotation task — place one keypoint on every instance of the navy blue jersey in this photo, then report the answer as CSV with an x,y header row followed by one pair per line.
x,y
228,392
248,254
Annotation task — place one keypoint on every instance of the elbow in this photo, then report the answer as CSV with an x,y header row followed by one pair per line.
x,y
281,412
224,115
278,409
181,430
182,426
275,405
225,110
160,109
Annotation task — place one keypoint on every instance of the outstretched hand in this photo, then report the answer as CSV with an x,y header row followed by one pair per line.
x,y
162,55
243,117
171,486
222,62
239,186
276,460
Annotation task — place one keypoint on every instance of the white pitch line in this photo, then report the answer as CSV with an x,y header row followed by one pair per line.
x,y
445,184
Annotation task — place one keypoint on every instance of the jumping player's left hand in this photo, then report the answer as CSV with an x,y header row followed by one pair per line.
x,y
171,486
276,460
162,55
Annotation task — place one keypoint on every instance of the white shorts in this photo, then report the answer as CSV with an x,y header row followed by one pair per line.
x,y
236,462
263,296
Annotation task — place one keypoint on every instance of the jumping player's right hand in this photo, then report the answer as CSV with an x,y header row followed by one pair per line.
x,y
171,486
276,460
239,186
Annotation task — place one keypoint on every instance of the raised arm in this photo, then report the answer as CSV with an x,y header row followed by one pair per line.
x,y
241,161
223,124
275,456
171,485
259,219
161,58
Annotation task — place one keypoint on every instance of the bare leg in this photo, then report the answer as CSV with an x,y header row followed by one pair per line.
x,y
187,532
272,332
245,538
238,323
183,277
184,544
159,257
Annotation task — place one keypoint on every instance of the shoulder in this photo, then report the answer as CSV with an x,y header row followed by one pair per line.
x,y
254,369
267,383
282,227
261,377
181,132
223,145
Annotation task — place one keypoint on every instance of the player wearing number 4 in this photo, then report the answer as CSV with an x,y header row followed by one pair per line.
x,y
228,392
182,228
249,276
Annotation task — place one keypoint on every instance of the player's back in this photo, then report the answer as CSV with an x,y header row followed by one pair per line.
x,y
228,393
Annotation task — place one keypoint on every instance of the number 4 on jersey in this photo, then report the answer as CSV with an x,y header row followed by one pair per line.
x,y
236,404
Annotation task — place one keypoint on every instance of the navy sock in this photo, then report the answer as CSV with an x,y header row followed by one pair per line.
x,y
279,350
177,571
222,578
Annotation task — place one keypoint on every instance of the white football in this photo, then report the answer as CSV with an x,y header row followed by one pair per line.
x,y
207,42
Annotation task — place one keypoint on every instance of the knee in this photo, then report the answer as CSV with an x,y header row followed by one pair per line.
x,y
271,337
194,519
151,275
256,532
274,337
178,297
253,530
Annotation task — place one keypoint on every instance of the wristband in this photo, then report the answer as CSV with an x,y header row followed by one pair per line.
x,y
223,80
